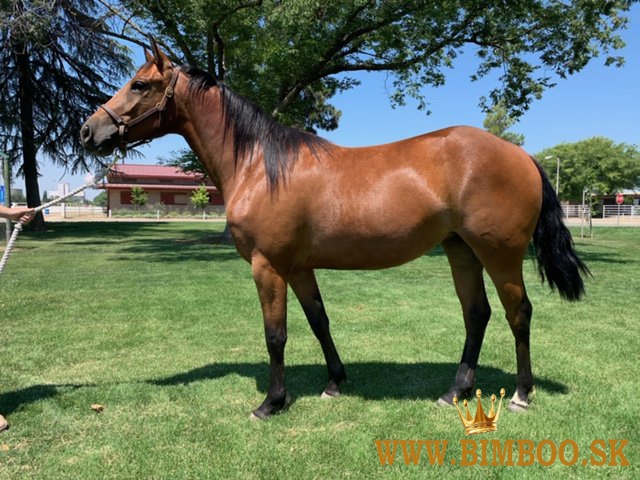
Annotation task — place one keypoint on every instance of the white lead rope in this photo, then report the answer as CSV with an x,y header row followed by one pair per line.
x,y
18,226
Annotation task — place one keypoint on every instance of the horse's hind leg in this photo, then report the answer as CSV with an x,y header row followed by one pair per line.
x,y
304,285
505,270
469,283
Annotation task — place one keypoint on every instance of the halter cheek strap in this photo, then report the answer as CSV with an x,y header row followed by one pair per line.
x,y
124,125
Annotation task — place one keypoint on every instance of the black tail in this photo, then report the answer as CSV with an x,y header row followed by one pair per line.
x,y
558,262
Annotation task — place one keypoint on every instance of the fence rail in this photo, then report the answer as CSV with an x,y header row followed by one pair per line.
x,y
73,211
147,211
622,210
576,211
167,211
608,211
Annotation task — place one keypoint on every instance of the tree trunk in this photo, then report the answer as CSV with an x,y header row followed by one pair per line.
x,y
29,150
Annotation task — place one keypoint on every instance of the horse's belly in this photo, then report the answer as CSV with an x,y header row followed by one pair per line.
x,y
388,246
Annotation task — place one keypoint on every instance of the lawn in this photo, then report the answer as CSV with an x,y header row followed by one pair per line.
x,y
160,324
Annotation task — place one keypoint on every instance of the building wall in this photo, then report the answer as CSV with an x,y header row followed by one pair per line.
x,y
172,199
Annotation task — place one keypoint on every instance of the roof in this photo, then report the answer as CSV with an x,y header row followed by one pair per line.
x,y
127,171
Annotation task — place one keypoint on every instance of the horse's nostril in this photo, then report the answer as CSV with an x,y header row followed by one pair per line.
x,y
85,132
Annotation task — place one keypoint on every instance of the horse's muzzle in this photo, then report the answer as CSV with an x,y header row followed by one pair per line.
x,y
98,139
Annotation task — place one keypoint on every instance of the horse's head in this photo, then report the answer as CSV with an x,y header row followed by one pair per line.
x,y
139,111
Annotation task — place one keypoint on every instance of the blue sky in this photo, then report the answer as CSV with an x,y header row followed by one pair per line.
x,y
598,100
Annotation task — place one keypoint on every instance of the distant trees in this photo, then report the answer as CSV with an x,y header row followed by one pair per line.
x,y
100,200
598,164
498,121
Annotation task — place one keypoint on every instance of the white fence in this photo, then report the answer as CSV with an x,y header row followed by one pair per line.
x,y
576,211
149,211
630,211
627,214
74,211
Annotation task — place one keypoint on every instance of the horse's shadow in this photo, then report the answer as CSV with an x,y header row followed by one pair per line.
x,y
368,380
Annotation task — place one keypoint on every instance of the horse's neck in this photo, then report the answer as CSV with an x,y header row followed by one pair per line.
x,y
204,132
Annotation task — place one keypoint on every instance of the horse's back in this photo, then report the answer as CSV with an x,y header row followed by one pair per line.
x,y
455,173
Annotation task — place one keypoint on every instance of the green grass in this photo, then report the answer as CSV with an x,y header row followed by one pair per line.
x,y
160,323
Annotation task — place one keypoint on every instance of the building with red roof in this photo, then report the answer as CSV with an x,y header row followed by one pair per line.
x,y
166,186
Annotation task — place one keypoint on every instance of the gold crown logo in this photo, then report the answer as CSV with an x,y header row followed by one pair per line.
x,y
482,422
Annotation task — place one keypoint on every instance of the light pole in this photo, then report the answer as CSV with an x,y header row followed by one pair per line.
x,y
548,157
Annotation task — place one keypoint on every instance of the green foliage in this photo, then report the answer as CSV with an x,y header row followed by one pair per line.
x,y
168,337
293,56
498,121
186,160
100,200
139,197
597,164
200,197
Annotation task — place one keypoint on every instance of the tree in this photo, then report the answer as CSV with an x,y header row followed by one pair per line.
x,y
55,63
185,160
200,199
139,197
292,57
100,200
597,164
498,121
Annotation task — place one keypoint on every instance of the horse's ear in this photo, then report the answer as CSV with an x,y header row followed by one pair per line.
x,y
160,58
147,56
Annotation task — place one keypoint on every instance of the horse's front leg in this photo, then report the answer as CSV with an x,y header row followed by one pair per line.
x,y
304,285
272,290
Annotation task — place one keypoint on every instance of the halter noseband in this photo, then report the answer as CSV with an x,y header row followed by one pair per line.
x,y
123,125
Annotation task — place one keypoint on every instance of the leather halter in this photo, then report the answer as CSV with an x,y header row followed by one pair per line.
x,y
124,125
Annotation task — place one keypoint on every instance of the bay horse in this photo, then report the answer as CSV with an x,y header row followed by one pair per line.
x,y
296,202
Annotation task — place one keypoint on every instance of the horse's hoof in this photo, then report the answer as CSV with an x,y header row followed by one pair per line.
x,y
443,402
518,406
253,417
328,396
263,413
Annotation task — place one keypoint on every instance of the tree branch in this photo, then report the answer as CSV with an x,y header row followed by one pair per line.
x,y
216,44
336,51
128,22
342,39
219,53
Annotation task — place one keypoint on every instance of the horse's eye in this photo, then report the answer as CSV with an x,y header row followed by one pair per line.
x,y
138,85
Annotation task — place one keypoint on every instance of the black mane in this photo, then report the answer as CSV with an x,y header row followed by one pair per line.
x,y
250,126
